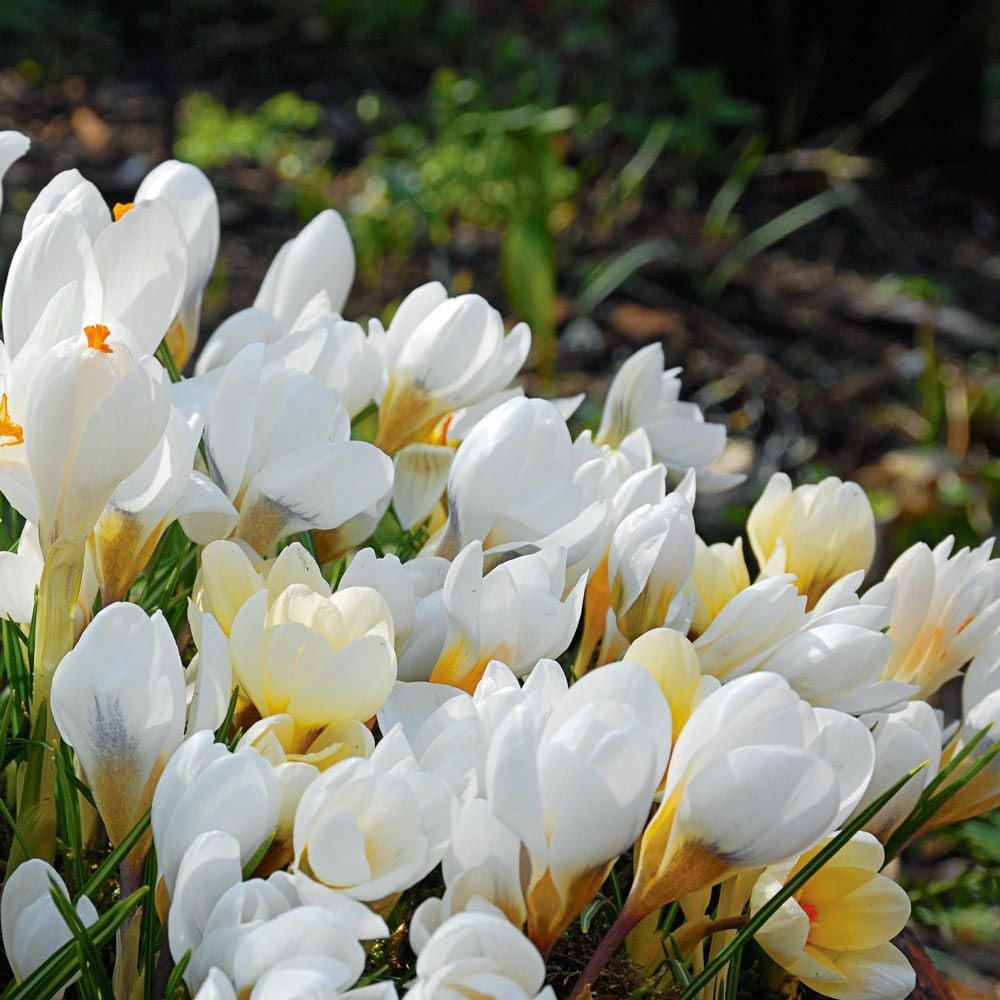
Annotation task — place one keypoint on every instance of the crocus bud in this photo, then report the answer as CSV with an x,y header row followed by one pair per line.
x,y
13,145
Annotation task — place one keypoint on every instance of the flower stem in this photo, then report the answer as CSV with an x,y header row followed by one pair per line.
x,y
605,951
58,592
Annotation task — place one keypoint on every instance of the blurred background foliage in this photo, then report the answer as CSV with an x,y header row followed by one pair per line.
x,y
799,200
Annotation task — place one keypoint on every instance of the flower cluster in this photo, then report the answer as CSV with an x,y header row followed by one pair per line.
x,y
348,669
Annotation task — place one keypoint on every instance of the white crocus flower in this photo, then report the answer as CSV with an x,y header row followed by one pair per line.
x,y
834,934
481,866
403,585
214,913
750,627
643,395
165,488
450,731
191,197
205,787
749,784
904,739
322,344
118,701
75,421
62,271
836,658
947,608
479,954
71,193
515,613
820,533
441,355
372,828
511,487
278,445
13,145
650,559
319,259
33,928
576,788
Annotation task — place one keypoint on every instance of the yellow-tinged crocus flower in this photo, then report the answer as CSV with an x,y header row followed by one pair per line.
x,y
834,933
719,574
947,608
818,532
673,663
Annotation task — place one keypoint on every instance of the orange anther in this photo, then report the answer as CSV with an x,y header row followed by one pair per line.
x,y
97,334
122,209
8,429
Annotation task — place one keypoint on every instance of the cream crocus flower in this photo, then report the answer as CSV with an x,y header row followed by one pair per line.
x,y
191,198
118,700
718,575
441,355
834,934
515,613
947,608
479,954
371,828
33,928
575,788
820,533
13,145
512,487
644,395
276,440
163,489
323,660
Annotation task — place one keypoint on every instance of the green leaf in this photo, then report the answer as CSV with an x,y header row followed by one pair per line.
x,y
94,973
792,886
606,278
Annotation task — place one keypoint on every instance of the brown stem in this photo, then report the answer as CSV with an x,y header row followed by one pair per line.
x,y
605,951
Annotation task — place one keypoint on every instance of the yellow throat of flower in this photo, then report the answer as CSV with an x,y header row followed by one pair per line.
x,y
8,429
97,335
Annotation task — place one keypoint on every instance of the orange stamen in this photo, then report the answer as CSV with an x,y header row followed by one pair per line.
x,y
8,429
97,334
810,911
121,209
